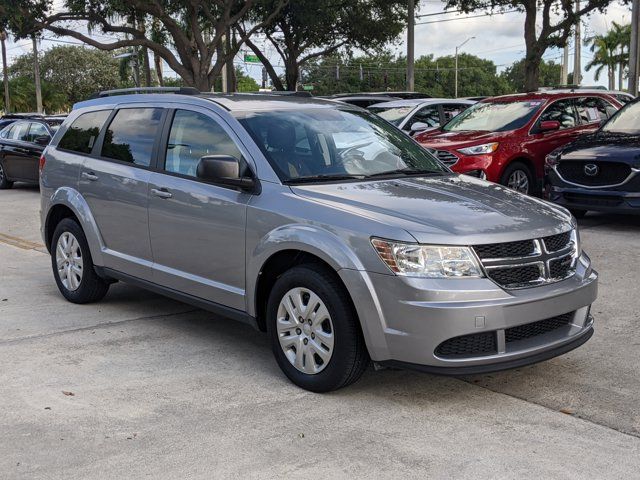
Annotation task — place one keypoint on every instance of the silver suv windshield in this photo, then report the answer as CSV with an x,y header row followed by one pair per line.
x,y
322,144
494,116
626,122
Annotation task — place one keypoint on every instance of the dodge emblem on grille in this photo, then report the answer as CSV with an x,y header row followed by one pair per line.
x,y
591,169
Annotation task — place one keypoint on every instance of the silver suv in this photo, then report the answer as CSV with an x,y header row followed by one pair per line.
x,y
318,223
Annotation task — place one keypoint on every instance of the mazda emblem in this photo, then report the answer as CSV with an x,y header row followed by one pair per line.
x,y
591,169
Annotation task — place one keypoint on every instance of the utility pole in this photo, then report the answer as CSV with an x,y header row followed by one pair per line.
x,y
577,53
5,75
634,49
455,95
411,17
36,73
564,74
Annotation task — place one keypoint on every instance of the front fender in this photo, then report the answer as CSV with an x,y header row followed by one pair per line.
x,y
306,238
71,198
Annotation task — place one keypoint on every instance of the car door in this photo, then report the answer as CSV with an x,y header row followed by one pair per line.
x,y
197,228
38,132
15,151
540,144
114,181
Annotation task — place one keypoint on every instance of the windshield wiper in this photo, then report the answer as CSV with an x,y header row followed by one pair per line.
x,y
321,178
407,171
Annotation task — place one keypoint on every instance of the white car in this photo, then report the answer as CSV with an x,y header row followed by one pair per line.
x,y
418,115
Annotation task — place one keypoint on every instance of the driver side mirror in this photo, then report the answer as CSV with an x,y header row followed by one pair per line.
x,y
419,127
549,126
43,140
224,170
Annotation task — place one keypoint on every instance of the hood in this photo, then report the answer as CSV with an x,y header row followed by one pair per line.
x,y
618,148
453,209
441,139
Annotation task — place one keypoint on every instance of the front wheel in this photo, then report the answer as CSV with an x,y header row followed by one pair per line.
x,y
72,265
517,176
5,183
314,331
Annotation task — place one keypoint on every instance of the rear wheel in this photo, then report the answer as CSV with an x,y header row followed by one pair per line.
x,y
314,331
72,265
5,183
517,176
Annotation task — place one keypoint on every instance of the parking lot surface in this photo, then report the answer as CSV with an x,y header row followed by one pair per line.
x,y
142,386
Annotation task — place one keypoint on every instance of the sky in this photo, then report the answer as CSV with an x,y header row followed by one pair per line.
x,y
498,38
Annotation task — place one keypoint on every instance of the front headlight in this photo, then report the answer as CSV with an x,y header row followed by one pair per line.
x,y
428,261
480,149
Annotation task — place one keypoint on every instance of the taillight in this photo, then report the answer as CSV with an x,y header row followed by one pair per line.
x,y
42,162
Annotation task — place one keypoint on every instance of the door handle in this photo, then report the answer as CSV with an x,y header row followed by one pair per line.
x,y
161,192
89,176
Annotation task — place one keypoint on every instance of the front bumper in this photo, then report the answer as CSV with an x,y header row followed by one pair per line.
x,y
624,198
407,319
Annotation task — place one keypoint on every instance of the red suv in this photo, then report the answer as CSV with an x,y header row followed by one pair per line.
x,y
506,139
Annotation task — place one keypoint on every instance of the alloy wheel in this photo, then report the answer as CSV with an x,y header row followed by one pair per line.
x,y
305,330
519,181
69,261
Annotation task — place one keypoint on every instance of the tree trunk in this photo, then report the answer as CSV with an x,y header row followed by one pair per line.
x,y
273,75
534,53
621,70
532,73
36,73
292,74
612,77
146,66
158,65
5,75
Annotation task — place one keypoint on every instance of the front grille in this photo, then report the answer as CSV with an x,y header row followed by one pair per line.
x,y
486,343
534,329
475,345
448,158
558,242
561,267
526,263
505,250
604,173
513,277
593,200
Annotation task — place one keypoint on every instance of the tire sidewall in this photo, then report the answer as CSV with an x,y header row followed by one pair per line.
x,y
342,316
4,181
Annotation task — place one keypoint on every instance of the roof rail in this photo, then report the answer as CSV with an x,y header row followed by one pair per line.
x,y
124,91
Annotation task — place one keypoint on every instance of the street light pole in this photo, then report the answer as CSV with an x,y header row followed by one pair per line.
x,y
634,49
411,20
455,95
5,75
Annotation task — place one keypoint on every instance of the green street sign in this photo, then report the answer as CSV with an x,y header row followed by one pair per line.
x,y
307,88
249,58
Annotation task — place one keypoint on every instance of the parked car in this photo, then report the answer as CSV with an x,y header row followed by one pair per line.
x,y
21,145
277,212
506,139
361,100
621,96
418,115
600,172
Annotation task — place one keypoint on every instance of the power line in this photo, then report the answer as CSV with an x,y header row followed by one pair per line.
x,y
467,18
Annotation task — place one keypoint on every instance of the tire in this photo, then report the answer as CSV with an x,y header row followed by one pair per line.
x,y
578,213
337,324
4,182
517,173
85,287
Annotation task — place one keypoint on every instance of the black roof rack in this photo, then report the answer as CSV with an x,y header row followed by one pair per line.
x,y
125,91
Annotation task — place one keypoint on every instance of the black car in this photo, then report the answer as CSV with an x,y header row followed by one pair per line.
x,y
21,144
600,171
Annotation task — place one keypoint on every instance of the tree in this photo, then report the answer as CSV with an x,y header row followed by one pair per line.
x,y
195,29
23,96
549,75
551,30
384,72
305,30
605,56
622,36
74,71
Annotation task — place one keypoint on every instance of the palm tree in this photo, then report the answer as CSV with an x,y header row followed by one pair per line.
x,y
604,48
621,34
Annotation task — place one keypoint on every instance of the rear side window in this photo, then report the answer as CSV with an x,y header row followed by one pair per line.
x,y
131,135
594,109
83,132
19,132
37,130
